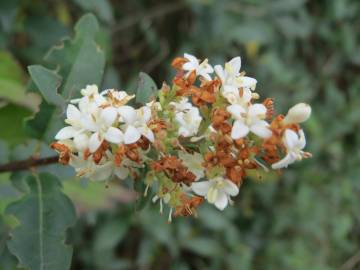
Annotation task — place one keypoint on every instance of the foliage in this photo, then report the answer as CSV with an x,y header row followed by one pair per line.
x,y
307,218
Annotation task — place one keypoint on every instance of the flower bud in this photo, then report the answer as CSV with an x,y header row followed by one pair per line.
x,y
298,114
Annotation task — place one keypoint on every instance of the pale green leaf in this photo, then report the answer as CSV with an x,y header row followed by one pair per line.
x,y
79,62
146,89
48,82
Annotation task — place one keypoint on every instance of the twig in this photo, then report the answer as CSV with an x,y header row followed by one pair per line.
x,y
27,164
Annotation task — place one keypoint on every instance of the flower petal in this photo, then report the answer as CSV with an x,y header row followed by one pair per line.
x,y
239,130
121,172
235,64
205,75
230,188
94,142
72,113
108,115
102,172
286,161
65,133
302,139
260,128
248,82
127,113
257,110
221,201
290,138
236,110
147,132
201,188
131,135
191,58
189,66
219,70
81,141
114,135
144,113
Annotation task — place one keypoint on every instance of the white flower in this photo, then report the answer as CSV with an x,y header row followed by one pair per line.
x,y
136,123
298,114
202,69
76,129
91,100
101,124
102,171
249,119
193,162
294,144
117,98
231,77
88,168
187,116
155,105
216,191
233,96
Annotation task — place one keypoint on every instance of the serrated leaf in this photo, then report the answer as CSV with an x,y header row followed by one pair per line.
x,y
48,82
44,215
79,62
146,88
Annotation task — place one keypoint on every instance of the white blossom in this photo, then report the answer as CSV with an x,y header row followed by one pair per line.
x,y
117,98
187,116
294,143
216,191
298,113
91,100
136,123
249,119
89,169
202,69
231,78
76,128
101,124
102,171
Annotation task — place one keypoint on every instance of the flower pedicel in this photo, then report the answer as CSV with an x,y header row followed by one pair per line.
x,y
196,142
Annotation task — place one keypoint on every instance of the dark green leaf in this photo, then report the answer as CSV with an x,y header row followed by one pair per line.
x,y
44,215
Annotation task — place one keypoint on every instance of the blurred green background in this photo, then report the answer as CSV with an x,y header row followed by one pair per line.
x,y
299,51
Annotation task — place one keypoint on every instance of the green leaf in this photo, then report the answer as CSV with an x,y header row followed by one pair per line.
x,y
4,152
146,89
79,62
12,83
48,82
13,116
44,215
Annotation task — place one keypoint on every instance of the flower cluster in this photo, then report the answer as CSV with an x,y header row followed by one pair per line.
x,y
196,141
